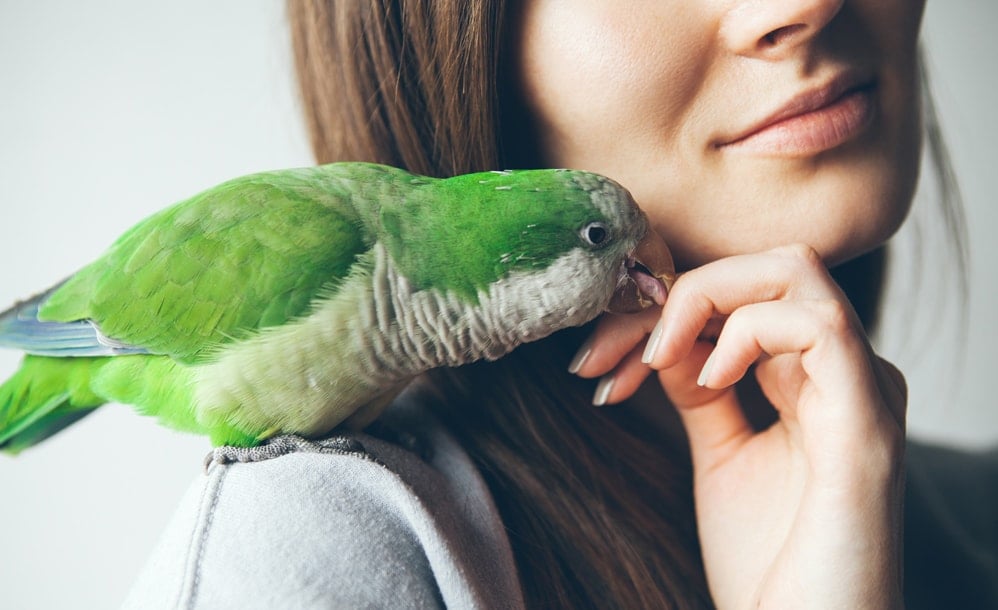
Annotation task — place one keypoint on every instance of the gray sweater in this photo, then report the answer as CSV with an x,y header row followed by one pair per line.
x,y
349,522
357,521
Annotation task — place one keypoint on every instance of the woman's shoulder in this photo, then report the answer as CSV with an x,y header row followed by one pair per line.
x,y
398,516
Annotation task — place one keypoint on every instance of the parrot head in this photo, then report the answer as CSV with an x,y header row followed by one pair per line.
x,y
540,250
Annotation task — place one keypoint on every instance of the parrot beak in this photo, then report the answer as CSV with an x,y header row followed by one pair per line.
x,y
649,275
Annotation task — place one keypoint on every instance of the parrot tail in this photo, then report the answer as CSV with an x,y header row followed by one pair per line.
x,y
20,328
44,396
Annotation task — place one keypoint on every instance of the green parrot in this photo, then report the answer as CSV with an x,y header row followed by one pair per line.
x,y
298,300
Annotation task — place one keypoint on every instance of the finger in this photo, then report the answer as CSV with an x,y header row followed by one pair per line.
x,y
621,383
721,287
894,388
780,379
832,353
838,408
614,337
715,429
714,421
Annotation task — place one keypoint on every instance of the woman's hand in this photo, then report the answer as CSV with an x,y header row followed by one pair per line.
x,y
807,513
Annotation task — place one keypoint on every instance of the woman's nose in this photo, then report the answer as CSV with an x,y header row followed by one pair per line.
x,y
770,29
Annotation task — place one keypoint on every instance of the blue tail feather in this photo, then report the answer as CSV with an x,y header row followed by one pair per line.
x,y
21,329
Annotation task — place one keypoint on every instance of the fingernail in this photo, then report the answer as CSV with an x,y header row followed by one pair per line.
x,y
581,356
705,371
653,341
603,389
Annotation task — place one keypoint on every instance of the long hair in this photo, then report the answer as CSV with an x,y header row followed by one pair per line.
x,y
399,82
599,509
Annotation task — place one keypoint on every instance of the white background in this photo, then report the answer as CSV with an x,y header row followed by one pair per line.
x,y
111,110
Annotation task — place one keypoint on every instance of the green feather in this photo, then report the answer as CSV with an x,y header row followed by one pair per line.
x,y
41,396
438,239
267,279
188,267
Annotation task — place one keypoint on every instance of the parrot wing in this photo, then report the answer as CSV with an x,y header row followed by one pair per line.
x,y
21,328
249,254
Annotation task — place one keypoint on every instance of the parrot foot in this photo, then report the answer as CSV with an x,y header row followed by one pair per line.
x,y
283,445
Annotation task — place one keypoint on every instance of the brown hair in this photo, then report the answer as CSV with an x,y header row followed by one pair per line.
x,y
598,513
599,509
399,82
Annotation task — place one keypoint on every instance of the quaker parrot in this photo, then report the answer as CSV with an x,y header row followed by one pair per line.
x,y
297,300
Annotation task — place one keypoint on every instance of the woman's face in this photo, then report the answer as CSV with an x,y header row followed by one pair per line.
x,y
738,125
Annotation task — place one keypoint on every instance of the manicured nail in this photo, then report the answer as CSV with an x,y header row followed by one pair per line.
x,y
652,345
581,356
603,389
705,371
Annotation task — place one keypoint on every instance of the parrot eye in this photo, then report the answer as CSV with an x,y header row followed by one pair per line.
x,y
595,233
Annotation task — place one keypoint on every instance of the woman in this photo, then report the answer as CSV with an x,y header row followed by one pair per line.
x,y
767,142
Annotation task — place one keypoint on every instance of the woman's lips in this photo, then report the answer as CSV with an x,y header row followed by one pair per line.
x,y
811,123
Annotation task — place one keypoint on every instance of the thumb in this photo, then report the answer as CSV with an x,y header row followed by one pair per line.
x,y
714,420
